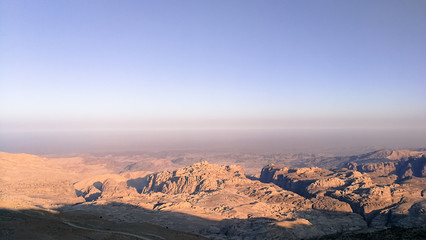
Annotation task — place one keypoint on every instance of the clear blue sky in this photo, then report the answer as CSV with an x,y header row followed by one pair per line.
x,y
212,64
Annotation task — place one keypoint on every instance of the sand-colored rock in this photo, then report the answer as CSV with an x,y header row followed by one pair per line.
x,y
347,190
219,201
195,178
330,204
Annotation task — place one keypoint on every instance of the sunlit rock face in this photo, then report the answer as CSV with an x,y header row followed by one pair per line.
x,y
198,177
384,193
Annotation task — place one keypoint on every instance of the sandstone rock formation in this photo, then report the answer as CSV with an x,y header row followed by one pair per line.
x,y
198,177
221,202
360,187
403,169
223,193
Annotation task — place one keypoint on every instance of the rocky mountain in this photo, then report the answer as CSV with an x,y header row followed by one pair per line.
x,y
292,202
199,177
221,201
236,203
368,188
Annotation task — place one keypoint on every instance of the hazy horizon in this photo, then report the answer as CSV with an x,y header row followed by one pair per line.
x,y
336,141
87,76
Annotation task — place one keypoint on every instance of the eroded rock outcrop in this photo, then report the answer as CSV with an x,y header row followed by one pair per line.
x,y
295,202
330,204
198,177
406,168
303,181
350,190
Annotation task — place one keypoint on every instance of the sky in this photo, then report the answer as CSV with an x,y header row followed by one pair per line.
x,y
206,65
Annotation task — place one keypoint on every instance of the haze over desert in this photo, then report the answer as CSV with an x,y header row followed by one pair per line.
x,y
212,119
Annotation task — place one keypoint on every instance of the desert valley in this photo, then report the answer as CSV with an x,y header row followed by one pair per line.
x,y
181,195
